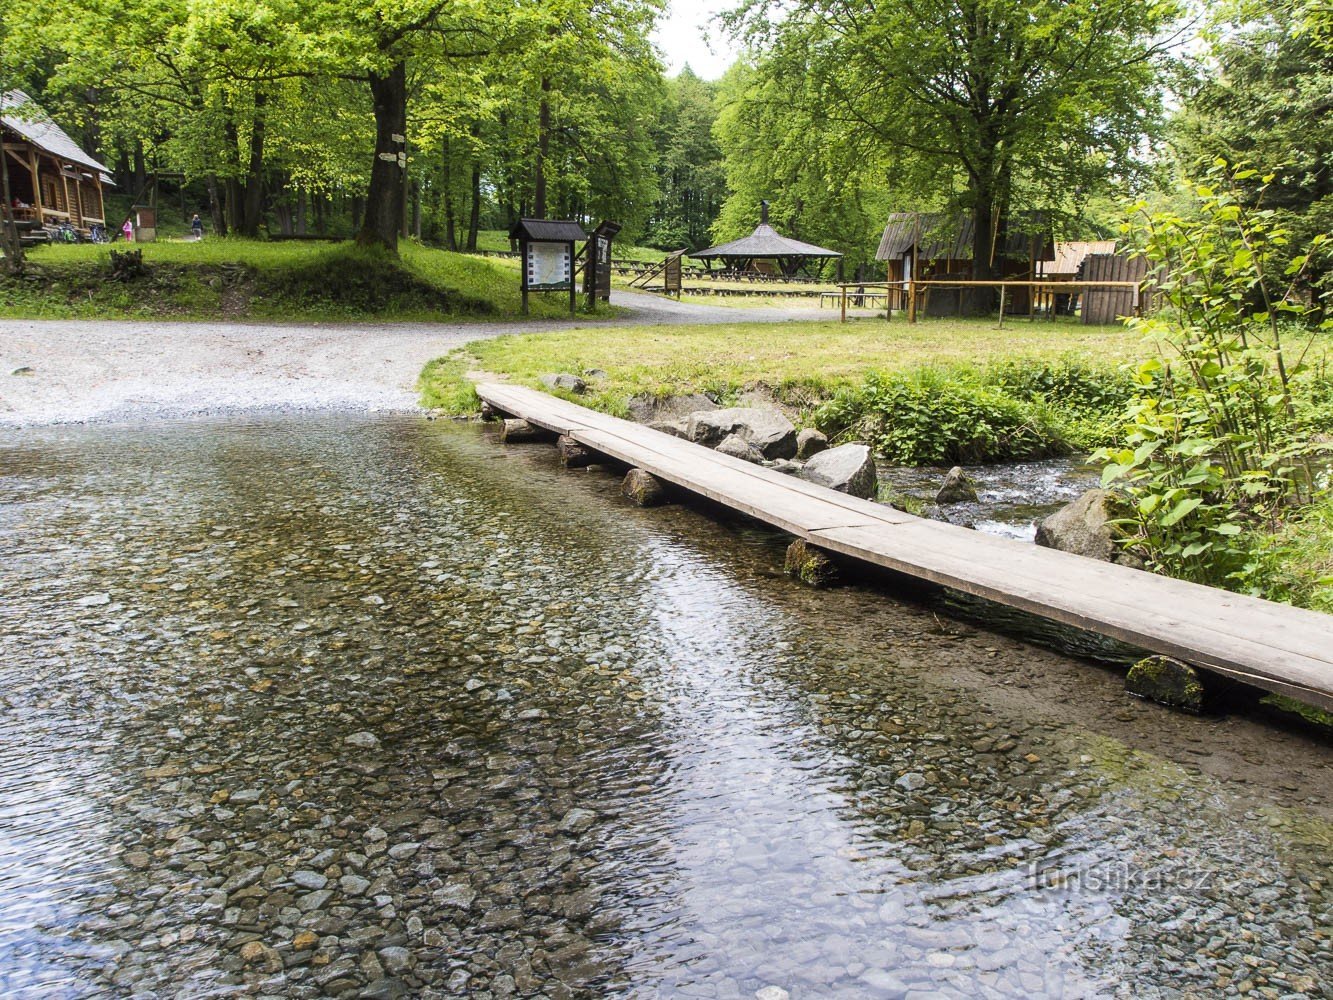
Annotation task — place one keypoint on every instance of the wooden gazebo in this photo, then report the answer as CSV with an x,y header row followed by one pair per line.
x,y
765,246
51,180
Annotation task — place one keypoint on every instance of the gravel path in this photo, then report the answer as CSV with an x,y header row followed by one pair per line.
x,y
80,371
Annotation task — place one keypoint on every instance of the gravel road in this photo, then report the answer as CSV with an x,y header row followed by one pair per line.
x,y
82,371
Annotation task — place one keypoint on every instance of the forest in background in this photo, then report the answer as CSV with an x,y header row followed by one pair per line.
x,y
282,114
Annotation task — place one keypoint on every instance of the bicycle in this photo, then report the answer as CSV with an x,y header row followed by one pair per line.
x,y
97,234
64,233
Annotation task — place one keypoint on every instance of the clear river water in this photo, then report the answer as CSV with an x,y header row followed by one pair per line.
x,y
353,706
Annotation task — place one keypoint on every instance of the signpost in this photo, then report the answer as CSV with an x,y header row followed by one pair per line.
x,y
597,271
547,249
671,274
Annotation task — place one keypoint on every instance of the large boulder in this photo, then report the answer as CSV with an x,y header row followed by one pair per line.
x,y
1083,528
645,409
810,442
956,488
737,447
769,431
848,468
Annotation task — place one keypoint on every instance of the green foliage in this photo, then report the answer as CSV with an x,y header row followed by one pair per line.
x,y
1265,99
980,105
1087,401
1214,448
932,417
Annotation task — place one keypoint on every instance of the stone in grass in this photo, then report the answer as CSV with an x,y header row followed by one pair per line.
x,y
848,468
566,381
809,564
737,447
643,488
810,442
1167,681
572,454
520,431
956,488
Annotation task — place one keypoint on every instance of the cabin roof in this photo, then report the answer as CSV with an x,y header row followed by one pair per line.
x,y
21,115
939,236
547,231
765,241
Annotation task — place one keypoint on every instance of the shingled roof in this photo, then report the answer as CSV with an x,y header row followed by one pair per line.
x,y
547,231
938,236
764,242
21,115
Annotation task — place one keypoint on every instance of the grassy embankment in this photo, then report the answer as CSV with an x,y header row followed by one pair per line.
x,y
285,282
937,391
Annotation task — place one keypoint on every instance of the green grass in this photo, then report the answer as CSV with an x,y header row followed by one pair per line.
x,y
286,281
804,362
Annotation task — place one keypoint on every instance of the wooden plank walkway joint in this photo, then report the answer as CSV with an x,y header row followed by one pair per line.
x,y
1271,646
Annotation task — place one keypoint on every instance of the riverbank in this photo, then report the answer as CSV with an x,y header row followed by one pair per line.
x,y
938,390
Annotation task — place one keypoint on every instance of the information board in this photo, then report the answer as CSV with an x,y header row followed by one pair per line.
x,y
548,267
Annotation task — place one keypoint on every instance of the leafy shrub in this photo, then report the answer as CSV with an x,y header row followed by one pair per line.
x,y
1214,452
935,417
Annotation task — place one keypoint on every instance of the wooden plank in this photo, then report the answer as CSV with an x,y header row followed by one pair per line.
x,y
1273,646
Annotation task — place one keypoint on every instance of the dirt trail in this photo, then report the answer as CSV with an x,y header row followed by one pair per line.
x,y
79,371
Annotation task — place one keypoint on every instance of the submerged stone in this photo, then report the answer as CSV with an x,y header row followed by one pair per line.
x,y
1166,681
810,564
572,454
643,488
520,432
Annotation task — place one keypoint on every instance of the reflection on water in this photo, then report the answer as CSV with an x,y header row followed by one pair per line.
x,y
372,707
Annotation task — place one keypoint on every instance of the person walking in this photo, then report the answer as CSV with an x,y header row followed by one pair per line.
x,y
128,230
197,227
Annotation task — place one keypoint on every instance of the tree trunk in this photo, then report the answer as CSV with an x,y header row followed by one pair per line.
x,y
140,170
543,147
474,219
215,207
416,209
447,184
385,197
321,219
301,229
253,211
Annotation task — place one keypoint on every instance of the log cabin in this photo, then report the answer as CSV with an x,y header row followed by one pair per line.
x,y
925,246
51,180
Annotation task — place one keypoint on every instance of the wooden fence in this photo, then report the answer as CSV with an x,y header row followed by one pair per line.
x,y
1107,304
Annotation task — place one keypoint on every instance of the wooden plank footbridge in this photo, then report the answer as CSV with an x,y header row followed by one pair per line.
x,y
1271,646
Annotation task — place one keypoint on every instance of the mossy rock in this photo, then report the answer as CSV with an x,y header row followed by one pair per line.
x,y
1168,682
810,565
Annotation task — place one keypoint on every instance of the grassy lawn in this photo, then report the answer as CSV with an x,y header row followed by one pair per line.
x,y
811,359
285,281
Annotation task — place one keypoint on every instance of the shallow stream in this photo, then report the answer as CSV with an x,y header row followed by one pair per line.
x,y
370,706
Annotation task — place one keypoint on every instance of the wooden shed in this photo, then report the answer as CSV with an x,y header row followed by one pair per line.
x,y
924,246
51,180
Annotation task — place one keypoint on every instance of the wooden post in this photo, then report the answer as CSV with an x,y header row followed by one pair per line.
x,y
844,303
911,301
1002,291
573,294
